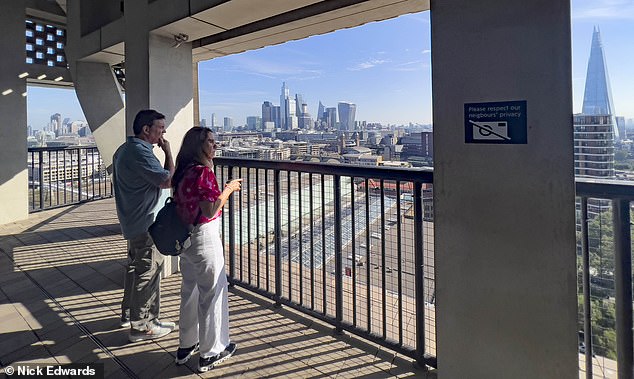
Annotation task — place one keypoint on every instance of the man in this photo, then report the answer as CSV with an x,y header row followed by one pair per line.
x,y
138,178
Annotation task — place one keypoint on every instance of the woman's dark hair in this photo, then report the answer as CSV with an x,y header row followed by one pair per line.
x,y
145,117
190,153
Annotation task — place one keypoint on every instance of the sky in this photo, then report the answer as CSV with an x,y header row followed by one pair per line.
x,y
383,67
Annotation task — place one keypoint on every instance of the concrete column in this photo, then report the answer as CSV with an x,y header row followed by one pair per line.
x,y
158,76
196,93
101,100
504,213
137,59
14,200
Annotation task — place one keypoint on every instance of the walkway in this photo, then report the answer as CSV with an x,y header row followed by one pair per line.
x,y
61,277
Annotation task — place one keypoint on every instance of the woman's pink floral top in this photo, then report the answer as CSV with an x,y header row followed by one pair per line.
x,y
198,184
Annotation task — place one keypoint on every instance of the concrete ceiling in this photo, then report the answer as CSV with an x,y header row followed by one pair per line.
x,y
220,28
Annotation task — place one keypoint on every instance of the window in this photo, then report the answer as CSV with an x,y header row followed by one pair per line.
x,y
60,58
59,32
39,55
50,63
39,41
29,60
29,33
39,28
29,47
49,50
49,37
60,45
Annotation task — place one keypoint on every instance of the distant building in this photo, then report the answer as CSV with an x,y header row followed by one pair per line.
x,y
595,129
347,113
228,124
597,96
330,117
267,112
594,146
254,123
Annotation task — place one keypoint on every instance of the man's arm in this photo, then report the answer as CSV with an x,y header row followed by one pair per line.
x,y
169,162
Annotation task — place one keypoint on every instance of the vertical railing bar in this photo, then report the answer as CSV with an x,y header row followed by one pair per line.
x,y
257,223
300,238
92,167
32,173
338,254
623,287
288,235
79,186
399,267
312,242
50,177
383,264
249,223
41,178
587,313
368,246
266,229
57,197
241,224
278,236
353,232
418,274
323,243
65,179
232,227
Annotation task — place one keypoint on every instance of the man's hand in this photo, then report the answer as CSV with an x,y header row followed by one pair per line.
x,y
165,145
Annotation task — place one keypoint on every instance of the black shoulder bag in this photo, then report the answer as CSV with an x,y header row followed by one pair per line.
x,y
170,234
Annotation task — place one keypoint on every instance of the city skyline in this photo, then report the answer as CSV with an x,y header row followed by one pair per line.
x,y
382,67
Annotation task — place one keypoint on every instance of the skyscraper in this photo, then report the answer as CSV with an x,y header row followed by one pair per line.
x,y
597,97
320,111
284,106
56,124
595,128
267,112
330,117
346,115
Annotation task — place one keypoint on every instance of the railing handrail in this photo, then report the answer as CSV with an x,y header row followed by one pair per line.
x,y
60,148
421,175
605,188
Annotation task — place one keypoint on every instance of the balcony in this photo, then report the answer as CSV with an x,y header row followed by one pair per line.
x,y
60,291
335,246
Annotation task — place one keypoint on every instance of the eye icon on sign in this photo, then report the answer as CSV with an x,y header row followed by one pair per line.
x,y
490,130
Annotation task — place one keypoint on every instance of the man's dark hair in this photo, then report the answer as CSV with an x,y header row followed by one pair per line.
x,y
145,117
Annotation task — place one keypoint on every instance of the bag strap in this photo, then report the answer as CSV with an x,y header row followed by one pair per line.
x,y
200,212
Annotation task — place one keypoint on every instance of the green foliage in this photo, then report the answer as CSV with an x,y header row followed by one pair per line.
x,y
620,155
603,312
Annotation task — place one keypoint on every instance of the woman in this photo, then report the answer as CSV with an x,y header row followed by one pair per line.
x,y
204,312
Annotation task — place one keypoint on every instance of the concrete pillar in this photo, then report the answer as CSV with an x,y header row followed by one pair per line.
x,y
101,100
504,212
196,93
14,200
158,76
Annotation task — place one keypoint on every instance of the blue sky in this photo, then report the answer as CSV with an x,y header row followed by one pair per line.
x,y
383,67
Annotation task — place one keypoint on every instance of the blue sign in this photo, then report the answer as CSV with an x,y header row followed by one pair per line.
x,y
501,122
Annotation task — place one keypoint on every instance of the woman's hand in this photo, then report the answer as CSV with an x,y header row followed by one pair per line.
x,y
234,185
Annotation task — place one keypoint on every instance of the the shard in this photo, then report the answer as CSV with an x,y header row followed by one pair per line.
x,y
597,98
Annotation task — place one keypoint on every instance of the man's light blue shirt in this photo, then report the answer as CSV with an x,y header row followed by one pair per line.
x,y
137,175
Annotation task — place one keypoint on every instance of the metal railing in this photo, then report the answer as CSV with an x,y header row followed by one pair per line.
x,y
342,243
65,175
350,245
605,276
